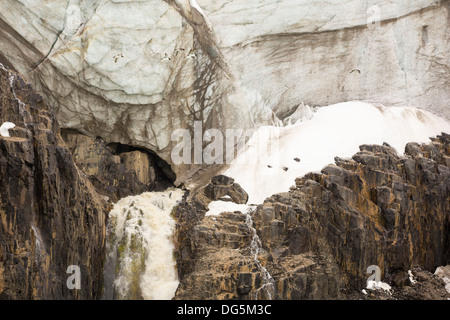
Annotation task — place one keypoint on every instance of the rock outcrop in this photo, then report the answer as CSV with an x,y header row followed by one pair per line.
x,y
117,171
222,186
444,274
134,71
418,284
318,240
51,217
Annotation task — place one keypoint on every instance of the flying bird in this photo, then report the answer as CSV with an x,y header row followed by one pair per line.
x,y
166,57
356,70
117,56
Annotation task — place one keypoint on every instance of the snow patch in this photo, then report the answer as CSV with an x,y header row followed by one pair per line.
x,y
4,129
215,208
336,130
378,285
411,277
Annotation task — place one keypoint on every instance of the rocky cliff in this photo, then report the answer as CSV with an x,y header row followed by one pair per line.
x,y
124,75
117,171
51,217
318,240
132,71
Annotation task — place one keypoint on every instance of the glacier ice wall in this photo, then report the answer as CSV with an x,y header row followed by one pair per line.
x,y
133,71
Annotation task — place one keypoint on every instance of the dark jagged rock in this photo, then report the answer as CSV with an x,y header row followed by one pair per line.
x,y
51,217
424,286
191,211
222,186
221,180
376,209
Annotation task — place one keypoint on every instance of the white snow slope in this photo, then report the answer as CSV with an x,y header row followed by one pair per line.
x,y
267,166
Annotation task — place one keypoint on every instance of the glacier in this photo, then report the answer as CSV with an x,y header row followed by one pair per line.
x,y
132,71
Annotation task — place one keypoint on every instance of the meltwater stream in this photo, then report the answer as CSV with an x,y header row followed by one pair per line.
x,y
27,117
268,283
139,249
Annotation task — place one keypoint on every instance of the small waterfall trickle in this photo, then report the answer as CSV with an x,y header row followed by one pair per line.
x,y
268,283
139,250
39,246
27,117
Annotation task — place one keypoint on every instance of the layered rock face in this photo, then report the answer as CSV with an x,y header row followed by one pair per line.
x,y
318,240
118,171
51,217
132,72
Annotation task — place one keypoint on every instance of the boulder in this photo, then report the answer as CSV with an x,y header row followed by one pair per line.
x,y
222,186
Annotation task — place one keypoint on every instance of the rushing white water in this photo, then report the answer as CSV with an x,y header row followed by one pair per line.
x,y
268,283
140,262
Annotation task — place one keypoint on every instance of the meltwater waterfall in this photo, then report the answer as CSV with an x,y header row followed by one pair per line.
x,y
268,283
139,250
